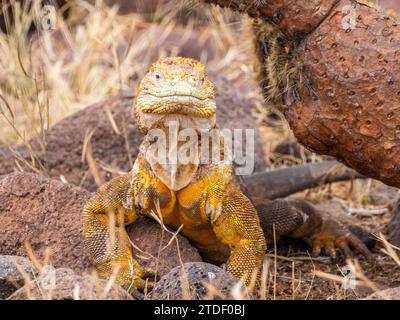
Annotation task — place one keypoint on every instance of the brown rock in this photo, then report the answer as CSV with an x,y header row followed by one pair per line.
x,y
158,255
64,284
47,214
115,149
195,281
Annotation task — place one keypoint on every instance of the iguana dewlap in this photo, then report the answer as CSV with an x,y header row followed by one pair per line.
x,y
205,202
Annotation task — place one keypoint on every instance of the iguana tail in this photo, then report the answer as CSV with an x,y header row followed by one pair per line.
x,y
281,183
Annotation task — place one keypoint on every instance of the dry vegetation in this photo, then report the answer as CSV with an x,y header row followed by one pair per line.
x,y
93,54
96,52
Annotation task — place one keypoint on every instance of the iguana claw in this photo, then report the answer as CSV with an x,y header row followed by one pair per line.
x,y
332,236
142,281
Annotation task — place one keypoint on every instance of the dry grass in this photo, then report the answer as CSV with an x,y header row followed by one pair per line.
x,y
48,75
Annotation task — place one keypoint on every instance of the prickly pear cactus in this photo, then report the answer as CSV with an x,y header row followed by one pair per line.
x,y
349,52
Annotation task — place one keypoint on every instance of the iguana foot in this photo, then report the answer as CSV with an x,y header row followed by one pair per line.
x,y
142,281
332,236
131,276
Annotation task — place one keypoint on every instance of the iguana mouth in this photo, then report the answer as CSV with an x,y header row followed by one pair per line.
x,y
183,104
178,96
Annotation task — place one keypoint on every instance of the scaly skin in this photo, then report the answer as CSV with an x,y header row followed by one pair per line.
x,y
206,201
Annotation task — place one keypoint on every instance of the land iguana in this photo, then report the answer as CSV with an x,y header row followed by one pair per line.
x,y
207,203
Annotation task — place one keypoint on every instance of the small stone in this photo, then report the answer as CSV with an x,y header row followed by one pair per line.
x,y
197,281
13,270
64,284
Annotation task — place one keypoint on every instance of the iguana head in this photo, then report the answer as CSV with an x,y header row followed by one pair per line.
x,y
179,89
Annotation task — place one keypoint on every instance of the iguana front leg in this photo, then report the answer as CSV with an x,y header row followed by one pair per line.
x,y
106,242
236,224
300,220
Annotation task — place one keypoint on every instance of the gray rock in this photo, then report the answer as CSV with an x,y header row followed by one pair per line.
x,y
64,284
13,270
196,281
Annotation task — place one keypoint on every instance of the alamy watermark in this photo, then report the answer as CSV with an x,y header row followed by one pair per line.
x,y
349,17
190,146
48,17
349,278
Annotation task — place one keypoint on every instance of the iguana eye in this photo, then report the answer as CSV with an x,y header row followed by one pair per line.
x,y
202,80
157,76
